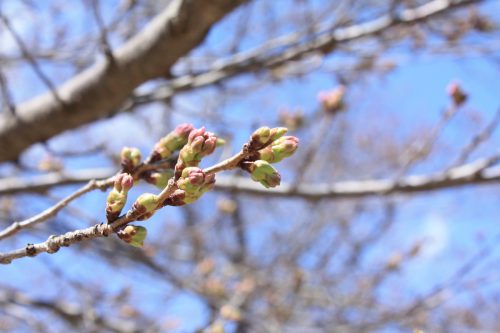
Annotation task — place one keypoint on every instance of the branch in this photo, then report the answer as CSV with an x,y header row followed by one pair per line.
x,y
54,243
72,313
101,89
50,212
255,60
480,171
92,184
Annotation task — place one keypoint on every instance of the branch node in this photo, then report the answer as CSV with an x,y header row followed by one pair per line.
x,y
106,229
30,250
52,246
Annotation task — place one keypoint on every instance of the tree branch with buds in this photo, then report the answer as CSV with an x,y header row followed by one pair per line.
x,y
184,184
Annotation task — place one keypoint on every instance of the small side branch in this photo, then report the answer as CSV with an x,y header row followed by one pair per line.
x,y
54,243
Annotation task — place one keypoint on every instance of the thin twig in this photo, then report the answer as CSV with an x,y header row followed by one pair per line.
x,y
103,32
29,57
478,139
51,211
314,146
92,184
228,164
257,60
424,149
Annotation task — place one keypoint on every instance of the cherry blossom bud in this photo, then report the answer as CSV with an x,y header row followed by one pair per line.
x,y
194,182
117,197
123,182
191,179
279,149
278,132
130,158
200,144
264,136
332,101
263,172
133,235
144,207
261,135
172,142
456,93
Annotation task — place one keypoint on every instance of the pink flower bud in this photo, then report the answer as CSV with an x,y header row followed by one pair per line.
x,y
183,130
332,101
200,144
456,93
200,132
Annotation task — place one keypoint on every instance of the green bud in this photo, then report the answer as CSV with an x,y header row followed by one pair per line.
x,y
130,158
172,142
220,142
117,197
114,204
279,149
144,207
133,235
264,136
263,172
278,132
261,135
190,198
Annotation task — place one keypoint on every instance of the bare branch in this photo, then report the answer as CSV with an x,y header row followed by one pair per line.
x,y
50,212
29,57
254,60
72,313
477,172
93,184
478,139
54,243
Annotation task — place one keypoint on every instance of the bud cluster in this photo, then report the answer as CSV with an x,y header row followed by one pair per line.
x,y
268,145
200,143
172,142
263,136
117,197
193,183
